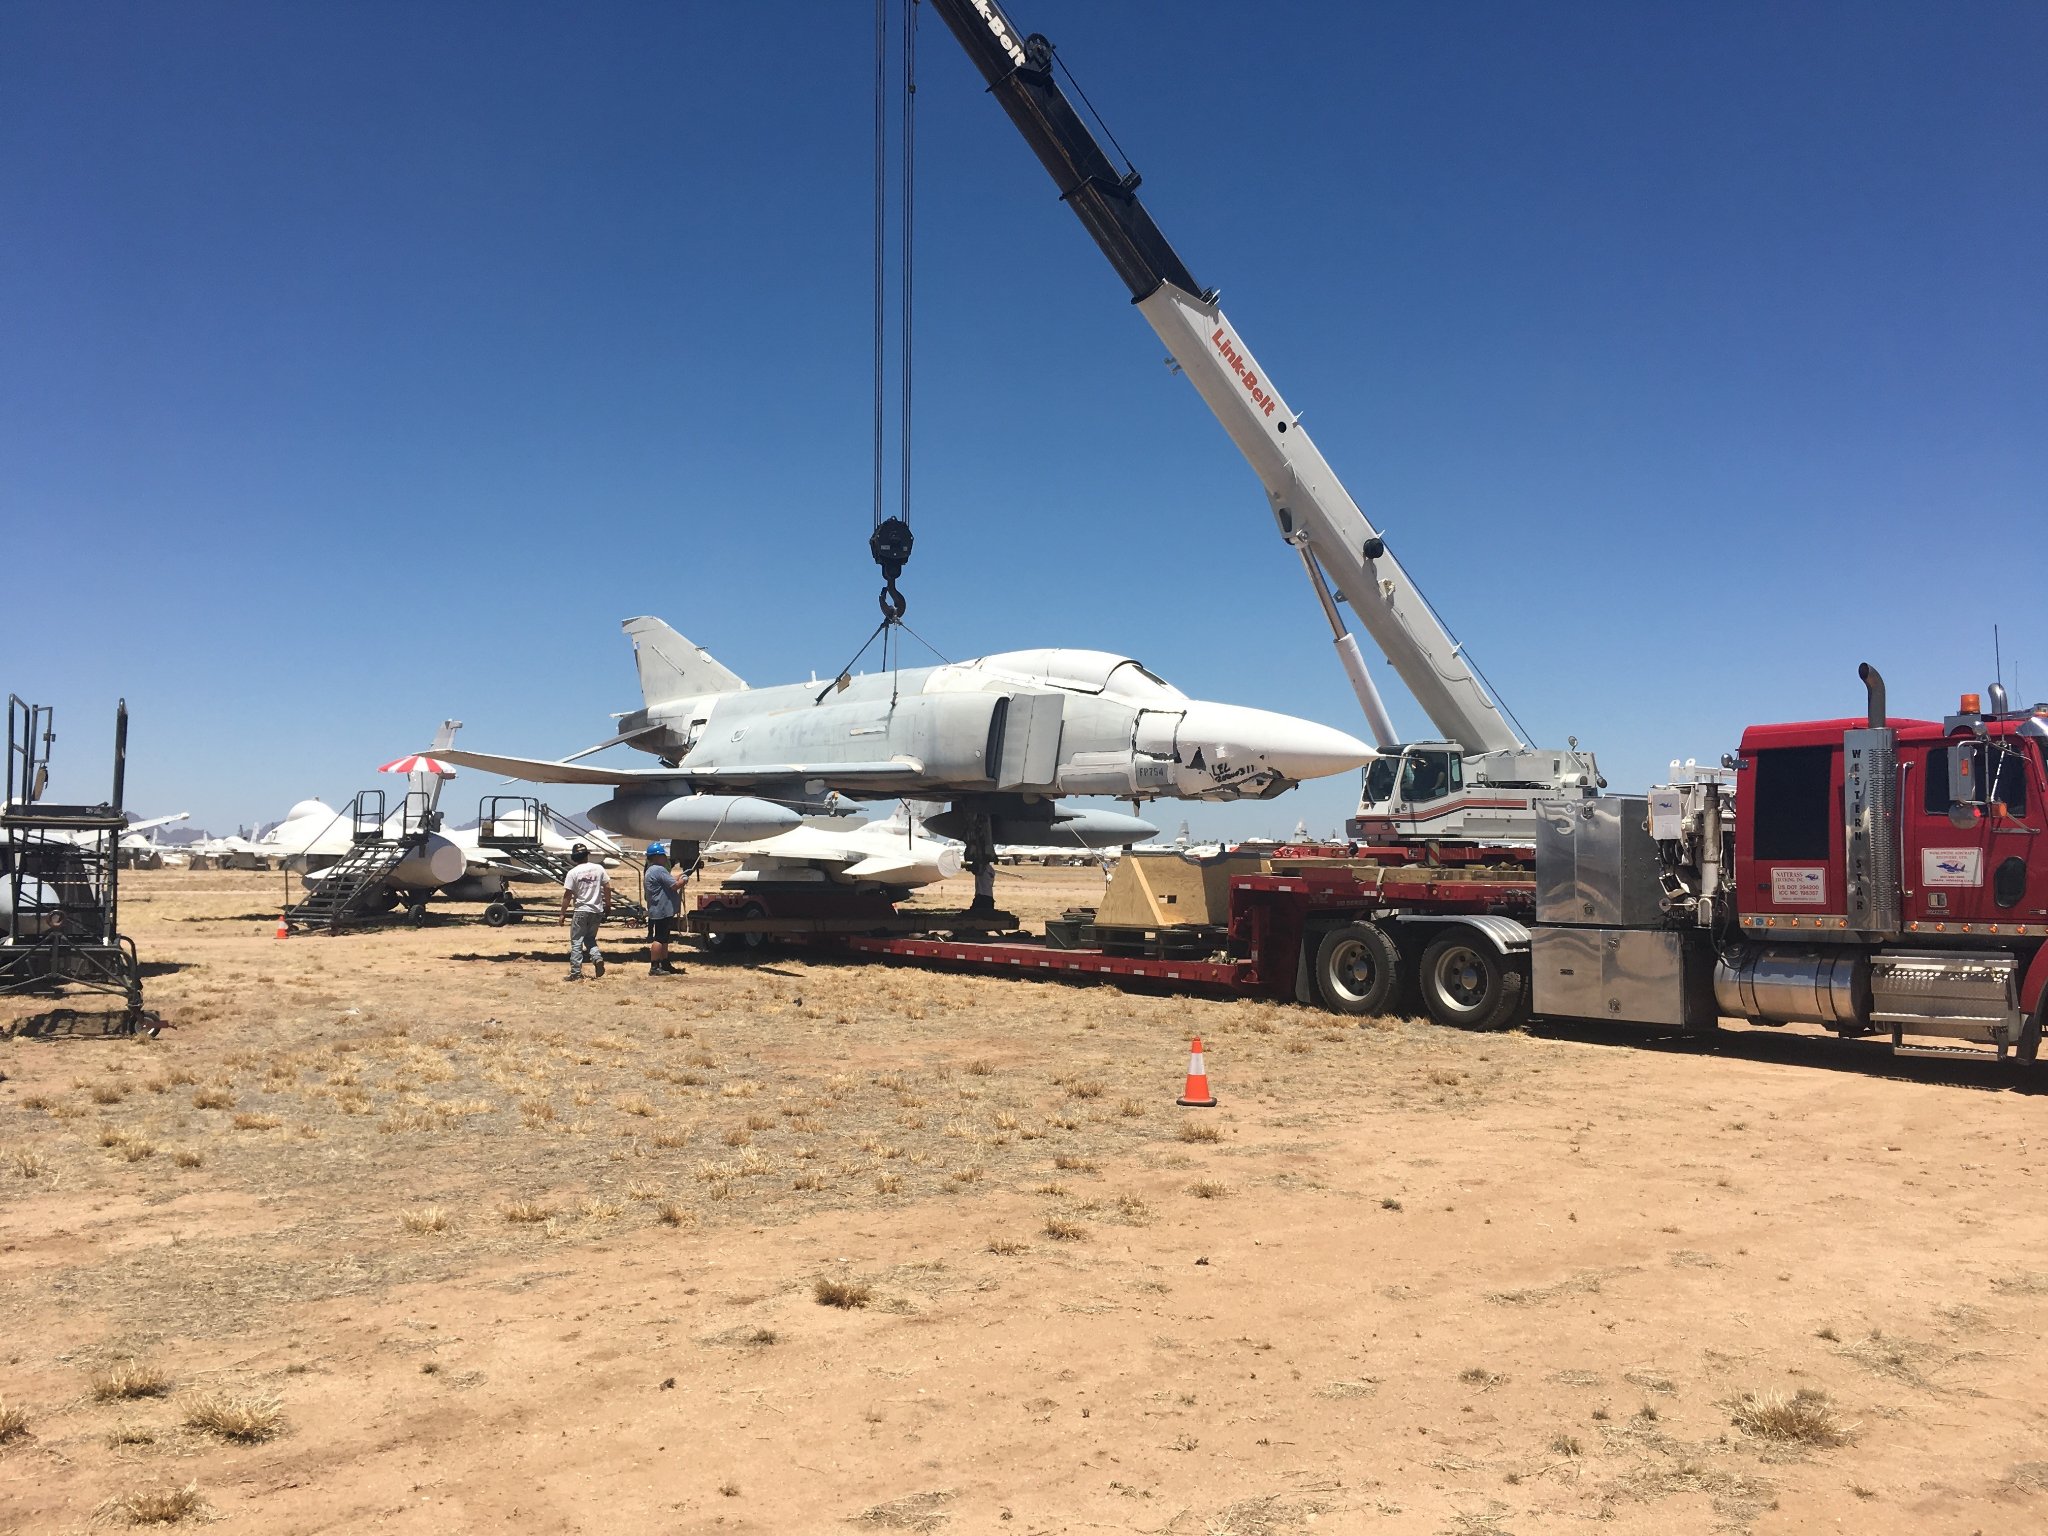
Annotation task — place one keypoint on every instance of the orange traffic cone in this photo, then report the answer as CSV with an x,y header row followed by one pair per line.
x,y
283,929
1196,1095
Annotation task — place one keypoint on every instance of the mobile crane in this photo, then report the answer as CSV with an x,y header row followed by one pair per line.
x,y
1481,782
1885,876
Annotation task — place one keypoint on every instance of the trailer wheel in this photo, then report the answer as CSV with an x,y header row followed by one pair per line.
x,y
1361,971
1468,984
497,914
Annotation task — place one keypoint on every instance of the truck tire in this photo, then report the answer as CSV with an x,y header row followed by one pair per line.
x,y
497,914
1468,984
1361,971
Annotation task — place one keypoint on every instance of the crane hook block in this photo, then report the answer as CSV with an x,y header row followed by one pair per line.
x,y
890,545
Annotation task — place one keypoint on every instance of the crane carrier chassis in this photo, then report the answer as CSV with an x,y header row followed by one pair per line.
x,y
1883,879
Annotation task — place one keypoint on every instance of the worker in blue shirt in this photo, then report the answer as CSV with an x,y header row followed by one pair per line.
x,y
664,902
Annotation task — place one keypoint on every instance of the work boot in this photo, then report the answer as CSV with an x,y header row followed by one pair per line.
x,y
982,906
597,964
574,976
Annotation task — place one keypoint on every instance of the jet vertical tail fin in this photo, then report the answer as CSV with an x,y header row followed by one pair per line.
x,y
671,667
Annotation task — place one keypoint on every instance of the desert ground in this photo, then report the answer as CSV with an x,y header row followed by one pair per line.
x,y
398,1231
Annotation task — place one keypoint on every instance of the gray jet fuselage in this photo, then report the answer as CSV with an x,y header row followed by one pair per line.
x,y
1037,724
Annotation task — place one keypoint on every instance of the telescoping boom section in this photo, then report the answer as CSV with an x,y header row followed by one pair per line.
x,y
1499,777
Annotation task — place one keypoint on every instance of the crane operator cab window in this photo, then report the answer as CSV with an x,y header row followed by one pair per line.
x,y
1430,775
1418,775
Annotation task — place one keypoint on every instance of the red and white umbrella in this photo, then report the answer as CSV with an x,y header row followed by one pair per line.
x,y
419,763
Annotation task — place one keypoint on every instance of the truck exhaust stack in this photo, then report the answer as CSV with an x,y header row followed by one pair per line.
x,y
1873,682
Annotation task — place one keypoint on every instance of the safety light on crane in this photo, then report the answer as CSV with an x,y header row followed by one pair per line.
x,y
1971,703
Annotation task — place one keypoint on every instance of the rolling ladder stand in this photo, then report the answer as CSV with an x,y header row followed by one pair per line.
x,y
340,895
513,826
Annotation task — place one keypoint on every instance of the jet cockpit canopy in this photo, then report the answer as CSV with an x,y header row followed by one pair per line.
x,y
1102,672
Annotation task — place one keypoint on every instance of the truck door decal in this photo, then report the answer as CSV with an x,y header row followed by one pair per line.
x,y
1951,866
1792,886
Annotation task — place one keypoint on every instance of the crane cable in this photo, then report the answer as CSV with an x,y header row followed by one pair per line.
x,y
890,542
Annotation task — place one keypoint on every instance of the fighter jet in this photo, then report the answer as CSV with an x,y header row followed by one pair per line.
x,y
1002,737
895,855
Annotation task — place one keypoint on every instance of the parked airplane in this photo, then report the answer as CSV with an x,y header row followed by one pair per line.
x,y
1002,737
450,862
895,854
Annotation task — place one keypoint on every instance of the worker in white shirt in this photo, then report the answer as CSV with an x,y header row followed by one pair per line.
x,y
584,892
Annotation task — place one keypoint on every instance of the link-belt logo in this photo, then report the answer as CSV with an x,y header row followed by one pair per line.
x,y
1245,376
1001,28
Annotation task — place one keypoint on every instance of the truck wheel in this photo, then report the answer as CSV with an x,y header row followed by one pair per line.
x,y
1468,984
497,914
1360,970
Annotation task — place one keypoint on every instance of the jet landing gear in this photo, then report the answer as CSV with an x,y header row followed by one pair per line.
x,y
981,859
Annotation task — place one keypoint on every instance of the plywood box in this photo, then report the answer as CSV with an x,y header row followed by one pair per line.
x,y
1168,889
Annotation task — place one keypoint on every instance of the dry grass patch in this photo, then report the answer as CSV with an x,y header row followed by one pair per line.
x,y
1199,1130
845,1294
636,1105
129,1378
1085,1088
189,1157
245,1418
1008,1247
671,1214
28,1163
1209,1189
156,1505
1070,1164
1061,1230
527,1211
420,1219
1804,1418
888,1183
13,1422
808,1181
254,1122
213,1098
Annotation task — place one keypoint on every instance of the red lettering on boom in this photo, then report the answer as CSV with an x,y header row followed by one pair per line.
x,y
1250,380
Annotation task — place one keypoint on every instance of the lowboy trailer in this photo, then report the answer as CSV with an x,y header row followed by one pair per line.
x,y
1880,879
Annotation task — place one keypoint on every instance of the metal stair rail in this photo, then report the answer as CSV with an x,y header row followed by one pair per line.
x,y
514,825
338,896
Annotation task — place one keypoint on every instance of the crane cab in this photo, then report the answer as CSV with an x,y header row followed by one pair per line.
x,y
1407,791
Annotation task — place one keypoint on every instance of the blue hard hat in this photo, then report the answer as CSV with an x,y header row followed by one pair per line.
x,y
657,850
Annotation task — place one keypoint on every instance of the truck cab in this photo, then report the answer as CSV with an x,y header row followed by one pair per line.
x,y
1971,828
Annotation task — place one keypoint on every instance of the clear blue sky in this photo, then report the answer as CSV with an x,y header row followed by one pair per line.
x,y
388,355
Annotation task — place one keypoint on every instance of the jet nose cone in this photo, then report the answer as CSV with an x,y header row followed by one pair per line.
x,y
1295,748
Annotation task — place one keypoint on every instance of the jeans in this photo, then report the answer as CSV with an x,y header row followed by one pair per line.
x,y
583,939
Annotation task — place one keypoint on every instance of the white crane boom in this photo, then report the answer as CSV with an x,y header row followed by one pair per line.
x,y
1432,792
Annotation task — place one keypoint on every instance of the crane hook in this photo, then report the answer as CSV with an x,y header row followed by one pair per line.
x,y
890,544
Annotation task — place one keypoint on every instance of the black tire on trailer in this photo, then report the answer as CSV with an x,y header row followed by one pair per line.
x,y
1360,971
1468,984
417,914
753,943
497,914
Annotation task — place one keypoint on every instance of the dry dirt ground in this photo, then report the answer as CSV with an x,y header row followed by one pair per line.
x,y
452,1245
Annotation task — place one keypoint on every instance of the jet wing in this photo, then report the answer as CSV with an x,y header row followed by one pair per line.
x,y
541,771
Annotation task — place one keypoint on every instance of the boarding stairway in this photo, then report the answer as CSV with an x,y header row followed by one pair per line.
x,y
515,828
354,887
